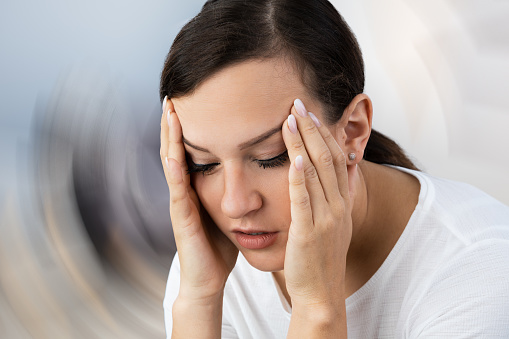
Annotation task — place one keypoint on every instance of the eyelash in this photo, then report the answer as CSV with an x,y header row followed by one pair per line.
x,y
277,161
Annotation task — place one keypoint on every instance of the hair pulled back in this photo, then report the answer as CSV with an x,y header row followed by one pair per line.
x,y
311,33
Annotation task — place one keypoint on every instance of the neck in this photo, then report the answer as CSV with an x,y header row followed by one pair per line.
x,y
384,200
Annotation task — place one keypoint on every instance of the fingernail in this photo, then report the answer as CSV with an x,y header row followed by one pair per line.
x,y
167,164
301,109
298,162
315,119
164,103
292,124
169,120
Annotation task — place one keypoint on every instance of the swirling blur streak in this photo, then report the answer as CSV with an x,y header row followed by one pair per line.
x,y
85,237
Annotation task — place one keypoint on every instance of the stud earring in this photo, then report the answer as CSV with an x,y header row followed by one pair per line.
x,y
352,156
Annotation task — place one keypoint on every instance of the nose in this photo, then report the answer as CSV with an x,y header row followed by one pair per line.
x,y
240,196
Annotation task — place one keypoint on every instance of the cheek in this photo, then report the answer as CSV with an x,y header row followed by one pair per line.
x,y
276,188
207,191
278,199
210,193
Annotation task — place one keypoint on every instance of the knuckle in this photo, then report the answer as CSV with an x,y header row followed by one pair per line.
x,y
297,181
329,139
328,220
174,200
340,208
182,221
309,127
302,201
340,159
325,159
310,172
298,146
175,209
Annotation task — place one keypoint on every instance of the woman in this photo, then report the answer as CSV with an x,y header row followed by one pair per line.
x,y
310,225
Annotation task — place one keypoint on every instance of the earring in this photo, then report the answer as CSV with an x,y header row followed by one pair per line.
x,y
352,156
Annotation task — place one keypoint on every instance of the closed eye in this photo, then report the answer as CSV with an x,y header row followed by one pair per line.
x,y
199,168
276,161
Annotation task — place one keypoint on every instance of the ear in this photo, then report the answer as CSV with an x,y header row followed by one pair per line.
x,y
355,127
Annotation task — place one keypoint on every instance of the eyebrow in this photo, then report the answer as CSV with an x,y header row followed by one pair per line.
x,y
242,146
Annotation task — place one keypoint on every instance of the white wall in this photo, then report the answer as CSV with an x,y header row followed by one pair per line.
x,y
438,72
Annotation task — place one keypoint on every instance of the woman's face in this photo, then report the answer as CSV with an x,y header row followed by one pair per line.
x,y
232,125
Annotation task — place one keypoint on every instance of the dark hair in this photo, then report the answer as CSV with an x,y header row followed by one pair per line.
x,y
310,32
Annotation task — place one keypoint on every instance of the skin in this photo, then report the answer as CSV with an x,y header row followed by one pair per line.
x,y
336,219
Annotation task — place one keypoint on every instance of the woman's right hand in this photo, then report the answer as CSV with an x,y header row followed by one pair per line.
x,y
206,255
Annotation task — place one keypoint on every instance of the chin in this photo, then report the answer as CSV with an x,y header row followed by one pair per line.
x,y
266,261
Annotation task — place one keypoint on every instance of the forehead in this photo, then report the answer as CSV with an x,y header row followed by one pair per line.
x,y
240,102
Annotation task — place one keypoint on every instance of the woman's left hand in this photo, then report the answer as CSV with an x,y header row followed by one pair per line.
x,y
321,226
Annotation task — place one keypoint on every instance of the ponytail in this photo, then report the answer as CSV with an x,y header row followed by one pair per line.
x,y
383,150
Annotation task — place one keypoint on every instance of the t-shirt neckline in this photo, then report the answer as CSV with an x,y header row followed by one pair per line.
x,y
426,194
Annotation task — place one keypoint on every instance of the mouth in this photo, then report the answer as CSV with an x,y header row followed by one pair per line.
x,y
255,240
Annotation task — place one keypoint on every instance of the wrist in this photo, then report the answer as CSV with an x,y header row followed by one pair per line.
x,y
318,313
197,318
318,321
322,303
197,299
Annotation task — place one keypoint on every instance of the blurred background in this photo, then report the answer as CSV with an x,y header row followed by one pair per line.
x,y
85,235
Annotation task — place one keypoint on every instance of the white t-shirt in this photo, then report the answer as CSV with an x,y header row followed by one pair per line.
x,y
446,277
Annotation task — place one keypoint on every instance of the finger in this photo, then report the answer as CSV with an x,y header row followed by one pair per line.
x,y
301,213
187,228
295,146
182,211
338,159
176,149
171,140
163,151
318,150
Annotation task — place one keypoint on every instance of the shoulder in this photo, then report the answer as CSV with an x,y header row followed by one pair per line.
x,y
462,210
460,271
468,294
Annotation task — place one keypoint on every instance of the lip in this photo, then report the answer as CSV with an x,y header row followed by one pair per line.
x,y
255,242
